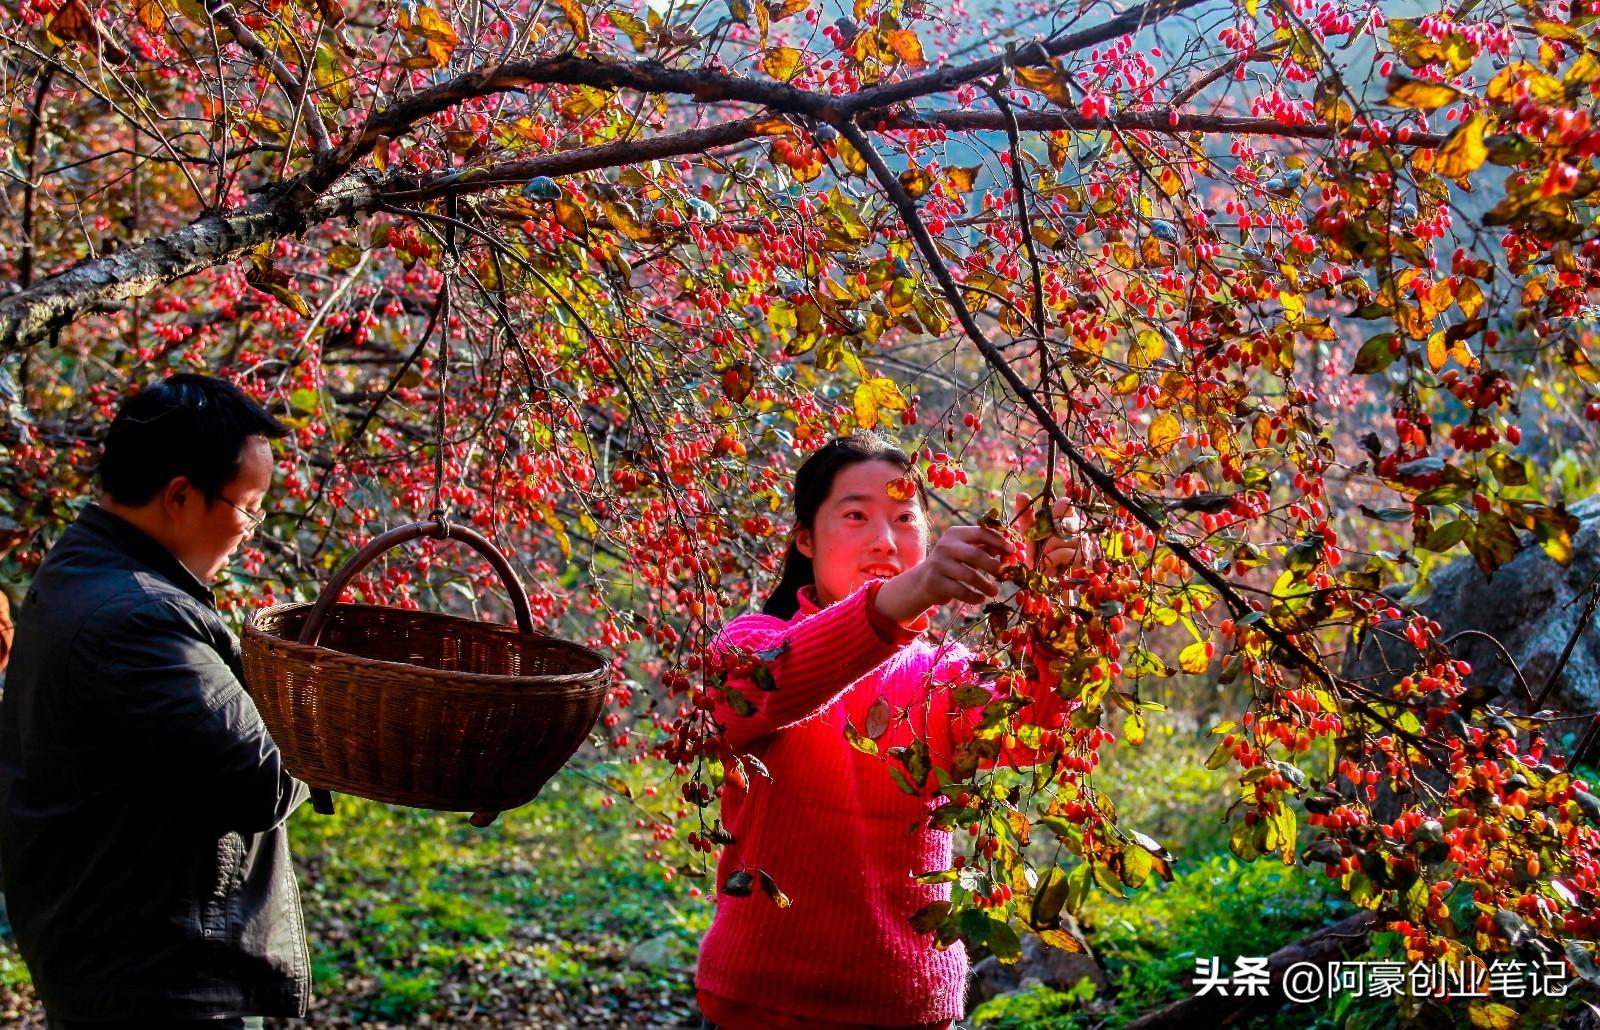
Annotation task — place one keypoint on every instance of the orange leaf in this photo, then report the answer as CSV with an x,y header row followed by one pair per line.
x,y
573,11
150,15
906,46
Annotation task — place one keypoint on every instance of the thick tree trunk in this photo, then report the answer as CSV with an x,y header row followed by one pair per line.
x,y
1212,1009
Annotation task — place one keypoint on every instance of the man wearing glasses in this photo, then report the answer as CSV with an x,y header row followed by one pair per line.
x,y
142,801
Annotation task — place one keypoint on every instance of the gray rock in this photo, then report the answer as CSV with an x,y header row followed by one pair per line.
x,y
1056,969
1532,605
665,951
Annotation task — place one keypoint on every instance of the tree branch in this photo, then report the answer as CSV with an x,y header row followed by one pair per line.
x,y
1045,418
295,90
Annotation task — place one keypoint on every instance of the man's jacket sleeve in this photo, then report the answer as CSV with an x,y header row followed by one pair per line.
x,y
185,713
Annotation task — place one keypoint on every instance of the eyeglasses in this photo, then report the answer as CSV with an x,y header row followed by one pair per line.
x,y
255,518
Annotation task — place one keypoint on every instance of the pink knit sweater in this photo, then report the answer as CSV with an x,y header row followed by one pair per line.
x,y
832,828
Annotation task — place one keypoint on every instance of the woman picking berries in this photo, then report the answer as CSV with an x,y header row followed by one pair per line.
x,y
838,843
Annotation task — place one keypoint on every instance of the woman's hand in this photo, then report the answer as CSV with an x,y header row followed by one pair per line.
x,y
1063,546
961,566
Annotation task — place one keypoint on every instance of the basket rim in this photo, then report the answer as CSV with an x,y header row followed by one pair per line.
x,y
319,652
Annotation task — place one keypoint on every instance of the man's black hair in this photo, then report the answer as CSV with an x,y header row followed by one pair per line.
x,y
186,425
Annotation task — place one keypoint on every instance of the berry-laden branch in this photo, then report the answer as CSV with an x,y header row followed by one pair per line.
x,y
1102,480
328,191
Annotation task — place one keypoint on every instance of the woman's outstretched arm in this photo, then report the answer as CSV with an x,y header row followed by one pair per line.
x,y
779,673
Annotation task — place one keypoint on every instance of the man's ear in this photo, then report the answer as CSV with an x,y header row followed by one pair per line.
x,y
803,542
177,494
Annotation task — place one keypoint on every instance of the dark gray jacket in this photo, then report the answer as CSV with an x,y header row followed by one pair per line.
x,y
142,801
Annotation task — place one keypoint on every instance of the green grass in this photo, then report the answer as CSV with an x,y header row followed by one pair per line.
x,y
1148,943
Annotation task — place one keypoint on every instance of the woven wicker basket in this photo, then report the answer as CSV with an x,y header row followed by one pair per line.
x,y
420,709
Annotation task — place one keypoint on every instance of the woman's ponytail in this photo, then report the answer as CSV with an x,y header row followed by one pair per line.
x,y
784,600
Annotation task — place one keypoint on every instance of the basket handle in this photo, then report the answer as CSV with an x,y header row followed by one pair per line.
x,y
311,631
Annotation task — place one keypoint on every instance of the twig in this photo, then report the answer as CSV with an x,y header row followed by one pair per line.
x,y
1506,659
1096,475
1572,641
296,91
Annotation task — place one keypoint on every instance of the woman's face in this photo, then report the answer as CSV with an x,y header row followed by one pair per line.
x,y
861,532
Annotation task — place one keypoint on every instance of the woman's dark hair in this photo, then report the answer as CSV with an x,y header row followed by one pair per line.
x,y
812,484
186,425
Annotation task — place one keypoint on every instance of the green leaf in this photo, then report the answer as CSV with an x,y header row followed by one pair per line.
x,y
1444,537
862,744
1136,865
1493,543
1049,898
929,916
738,702
1442,496
1374,356
970,695
1003,942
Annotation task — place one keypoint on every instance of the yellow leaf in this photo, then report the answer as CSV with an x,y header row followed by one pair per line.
x,y
906,46
916,181
573,11
571,217
1061,939
1469,297
626,221
343,257
1438,351
1193,659
1508,84
1133,729
851,156
1464,152
773,126
1164,433
763,21
781,62
266,126
1294,306
1146,348
866,407
902,489
1584,70
581,102
1557,30
1580,364
1492,1015
961,180
1406,92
